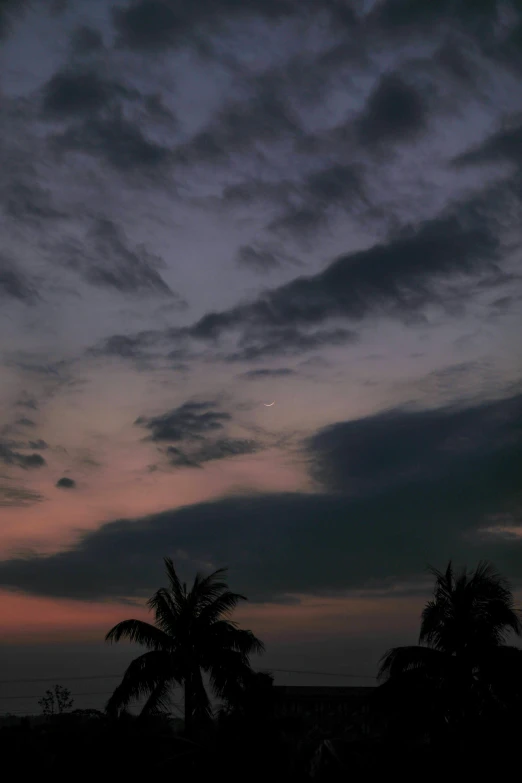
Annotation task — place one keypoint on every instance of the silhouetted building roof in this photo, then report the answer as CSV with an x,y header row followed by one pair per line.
x,y
337,692
321,699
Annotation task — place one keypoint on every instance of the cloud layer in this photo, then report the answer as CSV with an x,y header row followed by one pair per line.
x,y
399,490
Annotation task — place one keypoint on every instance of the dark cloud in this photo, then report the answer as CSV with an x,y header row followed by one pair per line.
x,y
222,448
66,483
86,40
125,346
265,118
38,445
279,372
80,92
13,497
30,203
254,190
106,259
180,459
407,17
155,25
115,140
505,145
30,460
336,187
13,283
299,221
397,279
10,11
156,108
287,341
25,422
262,258
191,421
9,455
453,60
395,112
371,531
27,402
193,427
336,184
401,447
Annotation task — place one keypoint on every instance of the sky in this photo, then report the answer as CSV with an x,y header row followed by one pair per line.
x,y
260,307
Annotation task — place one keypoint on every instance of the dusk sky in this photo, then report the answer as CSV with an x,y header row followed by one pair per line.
x,y
209,206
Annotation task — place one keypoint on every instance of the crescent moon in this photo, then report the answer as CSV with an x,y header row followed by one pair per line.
x,y
269,404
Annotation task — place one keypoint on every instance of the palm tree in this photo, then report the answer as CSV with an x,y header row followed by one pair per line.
x,y
192,634
462,667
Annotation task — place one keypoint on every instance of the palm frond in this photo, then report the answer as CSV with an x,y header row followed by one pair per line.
x,y
398,660
166,610
202,709
224,635
228,670
140,632
206,589
219,607
431,620
159,700
142,677
174,583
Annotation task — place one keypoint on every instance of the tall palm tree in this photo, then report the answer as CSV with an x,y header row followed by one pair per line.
x,y
462,667
192,634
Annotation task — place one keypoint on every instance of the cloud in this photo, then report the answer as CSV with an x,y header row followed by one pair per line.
x,y
83,92
191,421
253,190
193,428
10,456
505,145
9,11
124,346
117,141
336,187
86,40
400,490
27,402
106,259
25,422
14,497
287,341
66,483
406,17
180,459
13,283
395,112
38,445
261,257
396,279
401,447
265,118
28,202
211,451
156,25
278,372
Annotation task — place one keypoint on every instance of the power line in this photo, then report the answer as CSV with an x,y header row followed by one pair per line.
x,y
29,697
61,678
322,674
38,695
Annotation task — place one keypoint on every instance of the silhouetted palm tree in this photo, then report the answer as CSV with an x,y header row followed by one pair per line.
x,y
462,667
192,634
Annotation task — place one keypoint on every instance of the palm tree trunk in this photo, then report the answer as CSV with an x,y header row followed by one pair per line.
x,y
188,707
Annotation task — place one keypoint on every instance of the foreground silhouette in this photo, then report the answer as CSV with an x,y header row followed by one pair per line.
x,y
463,671
192,635
450,705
